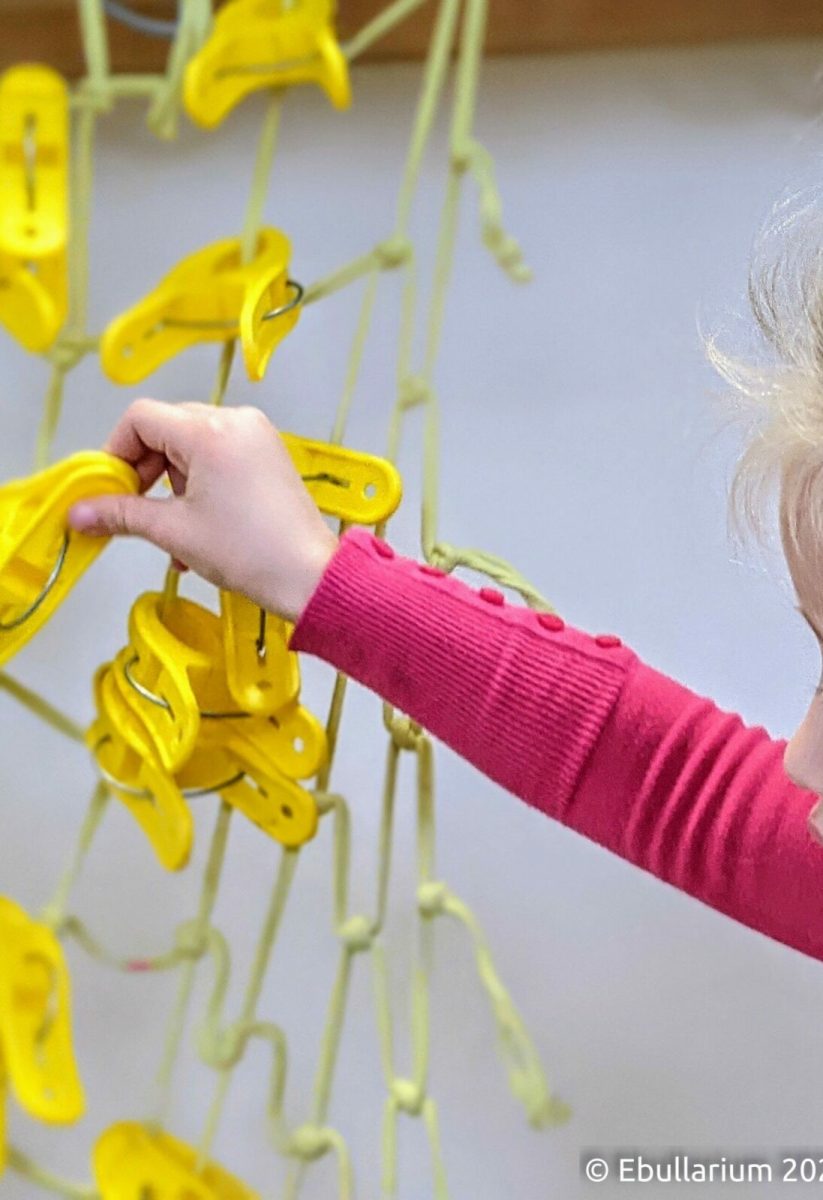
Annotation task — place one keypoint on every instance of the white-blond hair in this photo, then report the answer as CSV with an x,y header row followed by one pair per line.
x,y
781,393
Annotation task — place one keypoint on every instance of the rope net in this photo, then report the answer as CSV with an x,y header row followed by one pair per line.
x,y
223,1038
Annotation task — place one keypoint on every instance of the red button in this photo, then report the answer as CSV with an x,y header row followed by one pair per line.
x,y
383,548
608,641
492,596
427,569
551,621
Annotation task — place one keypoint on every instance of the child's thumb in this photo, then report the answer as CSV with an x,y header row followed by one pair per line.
x,y
135,516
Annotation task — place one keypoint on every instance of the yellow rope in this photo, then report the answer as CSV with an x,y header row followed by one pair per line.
x,y
177,1023
41,708
27,1169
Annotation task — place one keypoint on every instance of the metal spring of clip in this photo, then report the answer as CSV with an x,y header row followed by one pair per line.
x,y
28,613
144,794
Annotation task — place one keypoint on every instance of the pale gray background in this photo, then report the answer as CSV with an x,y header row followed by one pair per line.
x,y
581,440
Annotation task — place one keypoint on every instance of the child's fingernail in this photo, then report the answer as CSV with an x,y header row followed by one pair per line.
x,y
82,516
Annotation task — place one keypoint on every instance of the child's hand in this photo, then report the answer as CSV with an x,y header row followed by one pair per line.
x,y
241,516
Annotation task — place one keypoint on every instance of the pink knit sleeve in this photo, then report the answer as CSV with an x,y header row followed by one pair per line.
x,y
579,728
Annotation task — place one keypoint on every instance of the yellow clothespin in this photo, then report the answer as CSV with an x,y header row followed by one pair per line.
x,y
275,803
358,488
263,675
170,672
35,1019
34,139
271,309
131,1162
126,758
292,743
40,558
258,44
4,1143
211,296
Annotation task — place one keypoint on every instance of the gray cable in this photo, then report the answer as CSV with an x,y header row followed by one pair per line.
x,y
150,26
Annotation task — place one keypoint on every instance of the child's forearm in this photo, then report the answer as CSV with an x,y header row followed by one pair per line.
x,y
578,727
523,701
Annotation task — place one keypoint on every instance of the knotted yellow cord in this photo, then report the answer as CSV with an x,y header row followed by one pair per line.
x,y
221,1042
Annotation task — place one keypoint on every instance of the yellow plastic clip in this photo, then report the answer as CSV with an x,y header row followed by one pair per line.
x,y
35,1019
263,675
354,487
253,763
34,137
265,44
130,1162
271,309
169,672
293,743
126,759
264,794
211,296
40,560
4,1087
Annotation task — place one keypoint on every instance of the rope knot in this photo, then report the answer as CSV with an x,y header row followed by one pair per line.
x,y
57,921
444,556
310,1142
431,898
462,155
408,1096
405,733
394,252
357,934
65,355
413,391
190,940
223,1049
97,97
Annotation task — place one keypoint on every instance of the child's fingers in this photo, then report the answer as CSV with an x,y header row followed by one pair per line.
x,y
150,428
158,521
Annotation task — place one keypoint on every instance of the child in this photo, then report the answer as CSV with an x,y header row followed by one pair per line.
x,y
576,726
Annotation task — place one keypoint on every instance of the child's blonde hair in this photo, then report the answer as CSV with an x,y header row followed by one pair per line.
x,y
782,394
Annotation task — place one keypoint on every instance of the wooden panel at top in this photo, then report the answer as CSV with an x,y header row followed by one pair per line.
x,y
46,30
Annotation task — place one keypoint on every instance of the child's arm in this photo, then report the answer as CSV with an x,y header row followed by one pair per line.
x,y
578,727
575,725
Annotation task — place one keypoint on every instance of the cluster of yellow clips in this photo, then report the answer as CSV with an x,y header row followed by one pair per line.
x,y
259,44
34,138
36,1057
202,703
131,1162
211,296
40,559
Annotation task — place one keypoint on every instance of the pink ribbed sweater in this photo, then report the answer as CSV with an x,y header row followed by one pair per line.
x,y
580,728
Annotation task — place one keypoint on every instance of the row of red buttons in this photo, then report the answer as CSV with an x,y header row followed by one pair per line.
x,y
549,621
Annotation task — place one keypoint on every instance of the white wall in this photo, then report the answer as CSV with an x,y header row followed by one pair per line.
x,y
580,441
